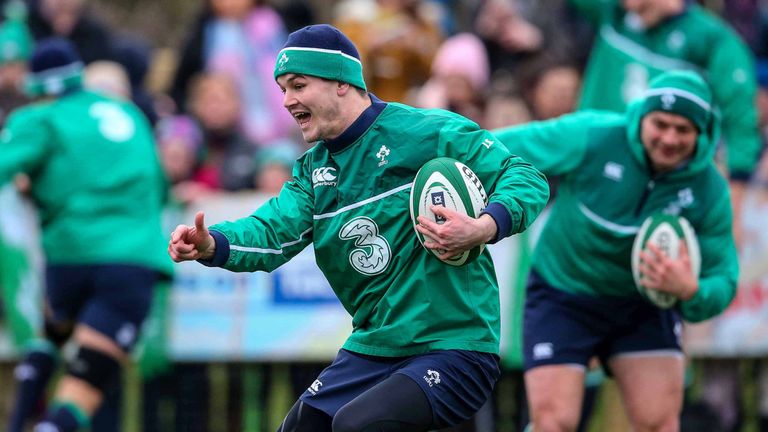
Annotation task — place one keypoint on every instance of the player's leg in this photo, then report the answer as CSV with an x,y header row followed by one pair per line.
x,y
346,378
32,376
561,332
39,363
395,404
428,391
108,329
648,364
555,394
305,418
652,389
93,371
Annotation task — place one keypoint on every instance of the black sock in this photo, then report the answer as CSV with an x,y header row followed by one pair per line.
x,y
32,376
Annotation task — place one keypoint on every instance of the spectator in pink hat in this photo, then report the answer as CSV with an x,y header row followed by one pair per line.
x,y
460,76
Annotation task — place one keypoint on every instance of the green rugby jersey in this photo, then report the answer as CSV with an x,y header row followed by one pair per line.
x,y
625,58
349,199
96,179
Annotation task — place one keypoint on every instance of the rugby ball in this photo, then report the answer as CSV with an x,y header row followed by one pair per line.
x,y
667,233
451,184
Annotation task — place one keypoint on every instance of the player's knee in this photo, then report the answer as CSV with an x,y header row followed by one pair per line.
x,y
58,334
656,415
657,423
551,425
98,369
549,419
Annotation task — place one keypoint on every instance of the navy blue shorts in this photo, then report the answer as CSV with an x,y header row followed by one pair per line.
x,y
457,383
564,328
112,299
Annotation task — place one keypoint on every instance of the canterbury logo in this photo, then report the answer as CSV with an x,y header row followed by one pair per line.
x,y
315,387
325,176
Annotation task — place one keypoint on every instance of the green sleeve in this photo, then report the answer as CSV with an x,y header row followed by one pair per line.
x,y
508,180
719,264
554,146
276,232
24,143
731,72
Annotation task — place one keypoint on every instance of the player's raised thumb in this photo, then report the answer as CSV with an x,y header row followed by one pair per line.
x,y
200,222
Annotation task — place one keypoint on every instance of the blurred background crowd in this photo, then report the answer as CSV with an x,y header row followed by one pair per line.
x,y
201,71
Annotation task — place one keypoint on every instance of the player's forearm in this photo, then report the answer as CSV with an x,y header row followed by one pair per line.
x,y
712,297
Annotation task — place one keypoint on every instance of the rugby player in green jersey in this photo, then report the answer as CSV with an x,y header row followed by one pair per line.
x,y
95,176
616,170
423,353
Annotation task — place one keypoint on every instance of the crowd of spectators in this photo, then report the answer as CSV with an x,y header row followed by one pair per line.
x,y
497,62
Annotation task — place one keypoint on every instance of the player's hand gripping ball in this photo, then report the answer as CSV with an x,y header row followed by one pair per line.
x,y
449,183
667,233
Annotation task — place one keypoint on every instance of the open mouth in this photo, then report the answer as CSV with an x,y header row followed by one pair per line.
x,y
302,117
669,153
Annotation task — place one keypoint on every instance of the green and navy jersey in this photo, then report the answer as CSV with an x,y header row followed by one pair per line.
x,y
350,200
625,58
96,179
607,190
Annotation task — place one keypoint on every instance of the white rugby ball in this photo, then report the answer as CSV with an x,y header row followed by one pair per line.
x,y
451,184
667,233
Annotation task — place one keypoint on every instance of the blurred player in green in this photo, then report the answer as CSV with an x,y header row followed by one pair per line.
x,y
99,188
615,171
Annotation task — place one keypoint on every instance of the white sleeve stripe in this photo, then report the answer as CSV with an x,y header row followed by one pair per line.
x,y
633,49
270,251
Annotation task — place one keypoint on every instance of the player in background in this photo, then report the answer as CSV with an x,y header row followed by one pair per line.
x,y
99,188
616,170
636,40
423,353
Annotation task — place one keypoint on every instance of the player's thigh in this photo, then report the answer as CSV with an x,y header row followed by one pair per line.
x,y
456,382
67,289
397,404
555,394
121,298
651,386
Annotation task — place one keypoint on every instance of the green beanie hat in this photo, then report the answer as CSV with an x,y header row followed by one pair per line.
x,y
15,42
680,92
322,51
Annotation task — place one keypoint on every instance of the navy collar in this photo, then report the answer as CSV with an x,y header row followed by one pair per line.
x,y
358,127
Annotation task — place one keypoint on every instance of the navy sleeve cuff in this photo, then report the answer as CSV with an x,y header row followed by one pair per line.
x,y
740,176
502,218
220,254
